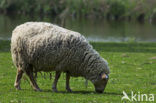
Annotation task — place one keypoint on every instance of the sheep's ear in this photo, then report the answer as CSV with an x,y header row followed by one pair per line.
x,y
104,76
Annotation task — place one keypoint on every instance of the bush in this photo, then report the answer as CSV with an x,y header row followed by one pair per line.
x,y
117,9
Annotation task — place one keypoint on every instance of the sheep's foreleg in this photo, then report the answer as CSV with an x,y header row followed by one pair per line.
x,y
67,82
18,78
54,86
32,81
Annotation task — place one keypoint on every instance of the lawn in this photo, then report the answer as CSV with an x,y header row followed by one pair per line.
x,y
133,68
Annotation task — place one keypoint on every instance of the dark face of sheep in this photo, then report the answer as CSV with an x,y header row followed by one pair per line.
x,y
101,83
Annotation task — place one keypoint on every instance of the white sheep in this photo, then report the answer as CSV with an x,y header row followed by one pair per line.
x,y
40,46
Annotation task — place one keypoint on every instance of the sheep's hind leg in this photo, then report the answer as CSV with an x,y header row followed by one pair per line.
x,y
32,80
67,82
18,78
54,86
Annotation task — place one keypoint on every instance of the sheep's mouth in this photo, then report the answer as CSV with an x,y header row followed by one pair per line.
x,y
100,89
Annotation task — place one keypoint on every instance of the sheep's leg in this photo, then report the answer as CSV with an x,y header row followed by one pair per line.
x,y
67,82
18,78
32,80
57,76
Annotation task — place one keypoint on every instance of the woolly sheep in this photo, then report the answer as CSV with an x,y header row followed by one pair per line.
x,y
41,46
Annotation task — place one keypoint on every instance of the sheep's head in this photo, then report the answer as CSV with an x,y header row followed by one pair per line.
x,y
101,83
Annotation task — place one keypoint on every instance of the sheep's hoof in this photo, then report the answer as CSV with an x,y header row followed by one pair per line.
x,y
69,90
55,90
38,90
17,87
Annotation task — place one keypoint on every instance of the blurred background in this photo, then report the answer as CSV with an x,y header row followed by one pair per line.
x,y
97,20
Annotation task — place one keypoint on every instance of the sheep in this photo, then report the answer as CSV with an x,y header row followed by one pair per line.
x,y
42,46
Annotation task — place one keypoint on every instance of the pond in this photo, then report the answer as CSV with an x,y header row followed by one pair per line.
x,y
92,29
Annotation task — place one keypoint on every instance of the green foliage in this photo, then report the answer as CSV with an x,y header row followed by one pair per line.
x,y
132,68
117,8
4,4
81,8
26,6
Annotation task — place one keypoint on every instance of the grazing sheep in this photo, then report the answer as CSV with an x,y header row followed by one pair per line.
x,y
40,46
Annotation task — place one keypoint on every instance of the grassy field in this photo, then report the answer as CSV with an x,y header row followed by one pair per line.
x,y
133,68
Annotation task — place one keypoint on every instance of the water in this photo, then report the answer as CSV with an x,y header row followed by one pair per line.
x,y
92,29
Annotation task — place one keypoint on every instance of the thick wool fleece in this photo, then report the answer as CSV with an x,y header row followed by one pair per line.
x,y
47,47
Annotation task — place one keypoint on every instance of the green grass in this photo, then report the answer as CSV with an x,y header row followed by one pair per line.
x,y
132,68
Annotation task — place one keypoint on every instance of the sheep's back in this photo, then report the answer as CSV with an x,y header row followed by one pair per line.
x,y
44,45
